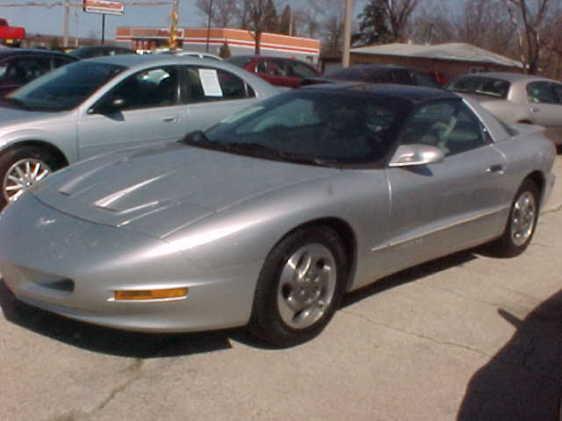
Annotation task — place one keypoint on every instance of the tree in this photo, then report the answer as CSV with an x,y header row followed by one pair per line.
x,y
479,22
373,27
225,13
386,20
333,38
398,12
529,16
286,21
261,17
224,51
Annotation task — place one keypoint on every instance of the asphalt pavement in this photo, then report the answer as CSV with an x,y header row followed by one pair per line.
x,y
466,337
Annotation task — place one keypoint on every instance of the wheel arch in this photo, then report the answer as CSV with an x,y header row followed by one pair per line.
x,y
540,180
347,236
61,158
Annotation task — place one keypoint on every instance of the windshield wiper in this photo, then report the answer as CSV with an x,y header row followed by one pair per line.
x,y
17,102
199,139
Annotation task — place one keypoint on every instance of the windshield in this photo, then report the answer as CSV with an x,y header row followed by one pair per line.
x,y
315,127
482,86
64,88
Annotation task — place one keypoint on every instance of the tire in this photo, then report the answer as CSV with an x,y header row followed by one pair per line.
x,y
510,244
280,287
18,156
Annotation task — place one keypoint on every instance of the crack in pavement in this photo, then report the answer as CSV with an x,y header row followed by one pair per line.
x,y
416,335
135,368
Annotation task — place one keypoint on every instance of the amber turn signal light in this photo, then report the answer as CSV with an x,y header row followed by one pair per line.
x,y
151,294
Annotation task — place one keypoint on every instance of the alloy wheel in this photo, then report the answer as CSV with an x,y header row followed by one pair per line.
x,y
21,176
307,286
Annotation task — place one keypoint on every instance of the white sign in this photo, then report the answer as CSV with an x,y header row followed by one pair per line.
x,y
103,6
210,82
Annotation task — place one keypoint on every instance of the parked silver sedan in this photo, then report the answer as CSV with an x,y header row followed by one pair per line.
x,y
269,217
517,98
105,104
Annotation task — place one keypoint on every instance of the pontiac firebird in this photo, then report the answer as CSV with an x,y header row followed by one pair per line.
x,y
267,219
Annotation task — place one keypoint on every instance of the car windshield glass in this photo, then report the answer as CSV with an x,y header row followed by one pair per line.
x,y
314,127
64,88
481,86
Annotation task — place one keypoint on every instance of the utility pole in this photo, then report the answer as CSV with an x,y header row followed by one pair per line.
x,y
66,23
103,29
347,32
210,11
291,21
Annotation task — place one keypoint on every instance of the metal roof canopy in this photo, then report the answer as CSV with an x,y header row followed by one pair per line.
x,y
449,51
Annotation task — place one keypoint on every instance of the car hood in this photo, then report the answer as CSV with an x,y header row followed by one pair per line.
x,y
159,189
17,115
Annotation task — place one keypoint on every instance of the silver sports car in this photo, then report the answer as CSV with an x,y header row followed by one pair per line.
x,y
110,103
269,217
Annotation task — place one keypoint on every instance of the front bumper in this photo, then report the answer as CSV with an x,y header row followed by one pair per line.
x,y
72,267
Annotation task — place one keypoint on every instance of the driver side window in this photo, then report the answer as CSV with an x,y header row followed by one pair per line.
x,y
149,89
448,125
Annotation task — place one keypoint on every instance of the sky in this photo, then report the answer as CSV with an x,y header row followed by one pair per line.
x,y
49,20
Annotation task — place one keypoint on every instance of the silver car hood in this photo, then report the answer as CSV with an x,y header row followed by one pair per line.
x,y
9,115
156,190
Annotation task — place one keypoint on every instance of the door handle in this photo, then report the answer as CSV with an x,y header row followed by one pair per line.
x,y
496,169
534,109
170,119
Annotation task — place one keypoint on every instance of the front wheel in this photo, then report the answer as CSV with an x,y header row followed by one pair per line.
x,y
300,287
22,167
522,222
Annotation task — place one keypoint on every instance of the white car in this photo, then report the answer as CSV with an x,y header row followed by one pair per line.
x,y
517,98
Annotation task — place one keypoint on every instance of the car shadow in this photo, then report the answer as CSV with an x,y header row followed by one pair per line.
x,y
105,340
410,275
523,381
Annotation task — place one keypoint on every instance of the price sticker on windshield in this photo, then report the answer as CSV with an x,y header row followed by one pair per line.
x,y
210,82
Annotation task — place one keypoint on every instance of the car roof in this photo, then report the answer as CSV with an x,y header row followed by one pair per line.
x,y
509,77
409,93
251,57
375,66
101,47
31,51
137,60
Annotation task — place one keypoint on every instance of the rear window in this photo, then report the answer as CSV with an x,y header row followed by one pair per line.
x,y
239,61
360,73
493,87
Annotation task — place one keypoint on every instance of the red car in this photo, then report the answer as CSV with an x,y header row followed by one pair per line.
x,y
278,71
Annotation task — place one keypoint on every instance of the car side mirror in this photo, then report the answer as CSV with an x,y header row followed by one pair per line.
x,y
110,106
416,155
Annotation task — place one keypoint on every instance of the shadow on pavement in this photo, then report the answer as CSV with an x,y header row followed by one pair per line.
x,y
105,340
523,381
409,275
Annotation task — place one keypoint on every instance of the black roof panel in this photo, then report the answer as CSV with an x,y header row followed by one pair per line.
x,y
410,93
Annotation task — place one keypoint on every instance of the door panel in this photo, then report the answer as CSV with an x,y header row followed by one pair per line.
x,y
445,207
149,112
99,133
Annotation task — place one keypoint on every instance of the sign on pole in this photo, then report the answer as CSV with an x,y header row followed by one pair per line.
x,y
103,6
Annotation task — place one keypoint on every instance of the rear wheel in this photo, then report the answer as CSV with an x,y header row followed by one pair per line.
x,y
300,287
20,168
522,222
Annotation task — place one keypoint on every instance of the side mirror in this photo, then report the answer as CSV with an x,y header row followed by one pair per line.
x,y
416,155
109,106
